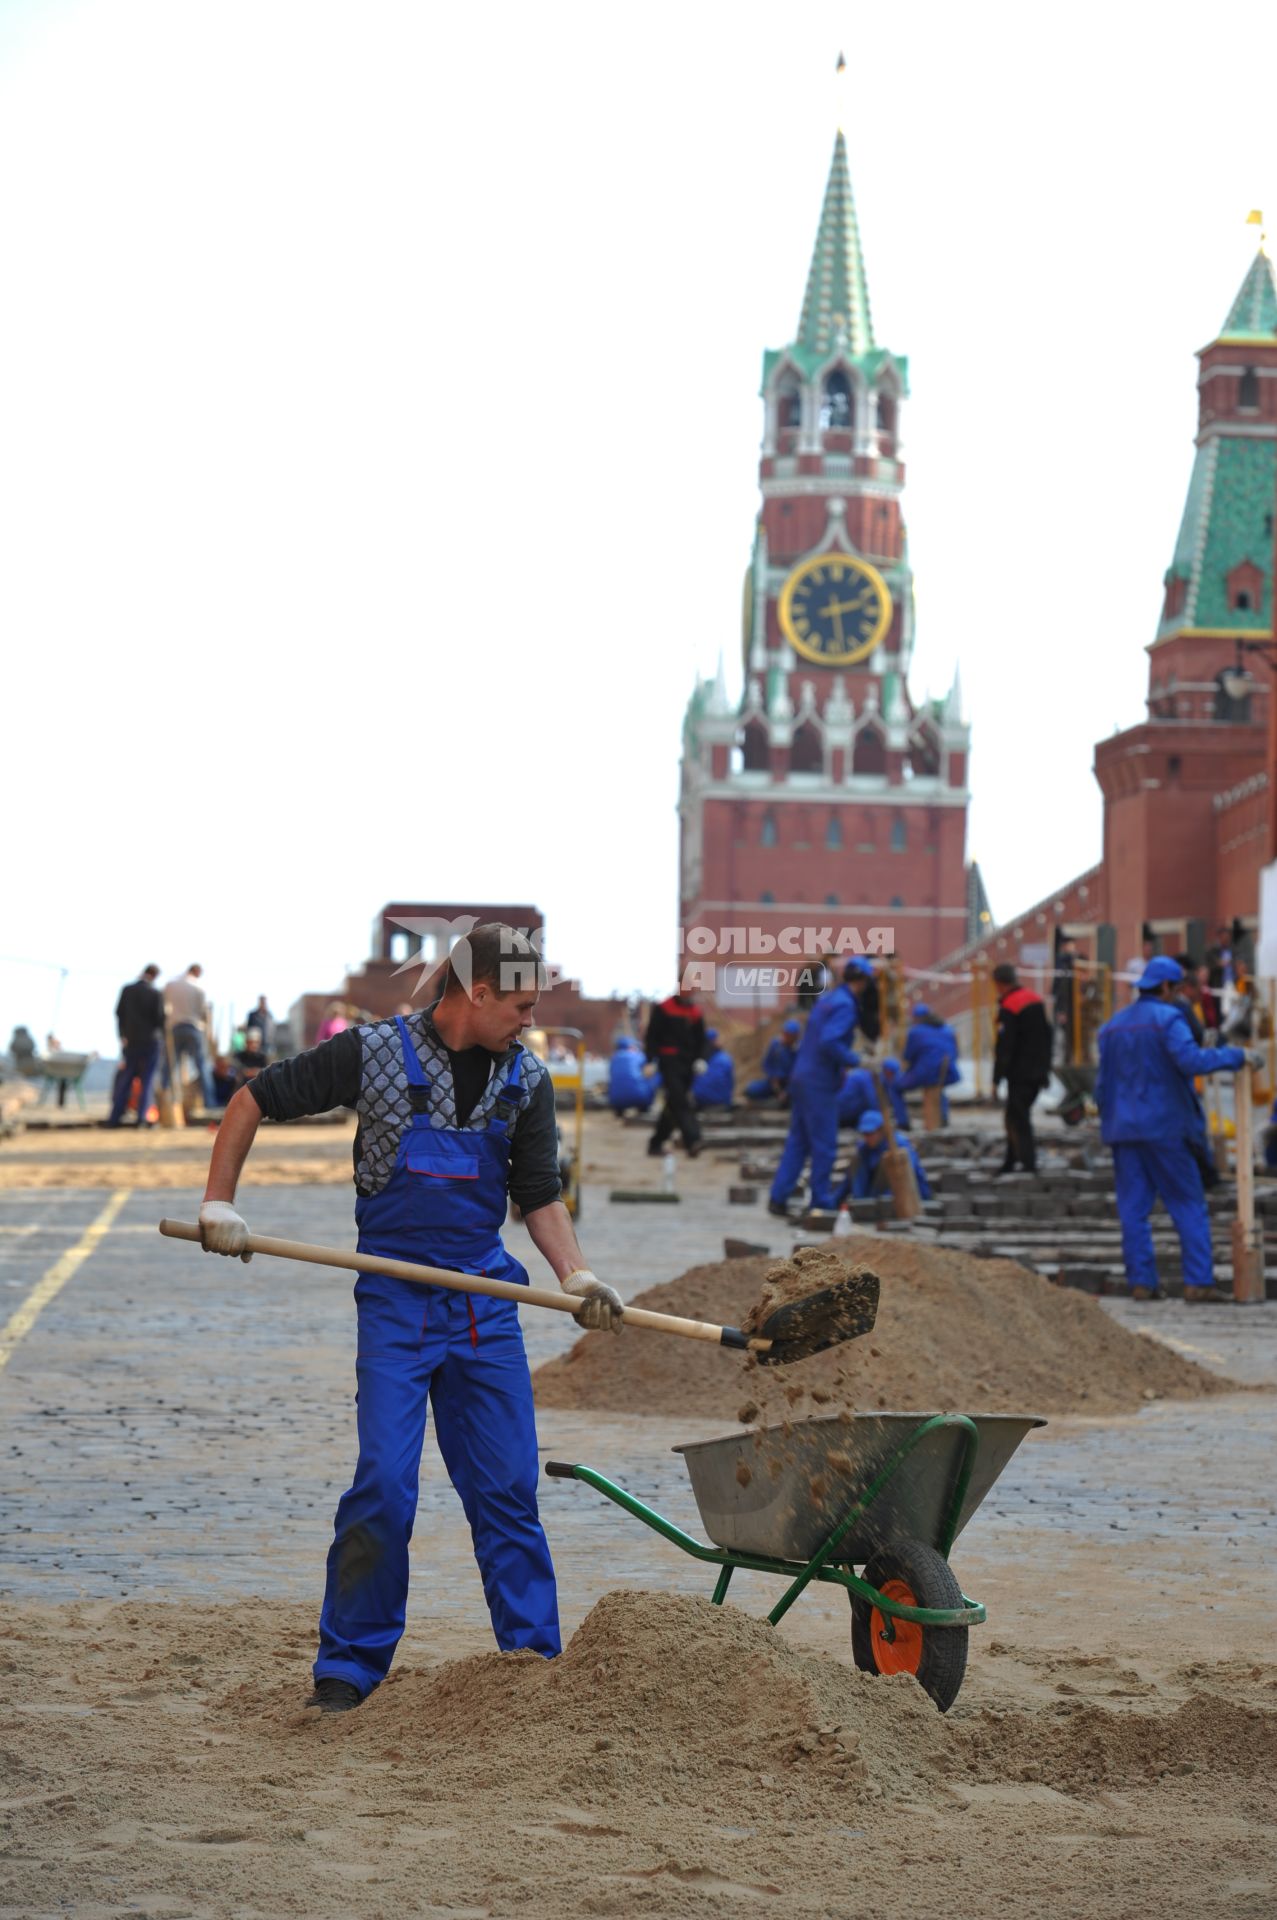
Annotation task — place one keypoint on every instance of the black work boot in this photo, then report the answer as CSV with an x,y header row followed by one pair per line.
x,y
335,1696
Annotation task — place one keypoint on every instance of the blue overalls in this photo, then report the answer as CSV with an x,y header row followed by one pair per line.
x,y
814,1085
443,1205
860,1181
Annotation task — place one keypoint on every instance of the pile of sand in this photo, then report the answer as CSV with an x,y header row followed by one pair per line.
x,y
679,1759
953,1332
657,1697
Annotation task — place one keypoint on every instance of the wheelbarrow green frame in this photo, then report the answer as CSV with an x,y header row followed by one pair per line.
x,y
970,1614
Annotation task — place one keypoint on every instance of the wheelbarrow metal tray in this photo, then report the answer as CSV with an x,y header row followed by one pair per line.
x,y
783,1519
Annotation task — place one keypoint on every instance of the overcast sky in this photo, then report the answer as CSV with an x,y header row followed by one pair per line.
x,y
379,434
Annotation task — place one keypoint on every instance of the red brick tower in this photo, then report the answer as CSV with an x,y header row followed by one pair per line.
x,y
1180,845
827,797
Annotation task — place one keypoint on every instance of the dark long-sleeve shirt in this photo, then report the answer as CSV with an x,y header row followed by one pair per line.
x,y
675,1031
139,1013
1023,1051
332,1075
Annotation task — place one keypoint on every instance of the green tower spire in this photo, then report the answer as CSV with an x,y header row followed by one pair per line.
x,y
1253,314
837,290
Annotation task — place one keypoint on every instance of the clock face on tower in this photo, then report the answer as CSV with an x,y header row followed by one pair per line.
x,y
834,609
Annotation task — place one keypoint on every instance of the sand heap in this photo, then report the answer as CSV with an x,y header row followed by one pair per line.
x,y
662,1699
660,1696
953,1332
679,1760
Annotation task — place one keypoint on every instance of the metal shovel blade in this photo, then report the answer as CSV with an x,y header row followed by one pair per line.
x,y
825,1319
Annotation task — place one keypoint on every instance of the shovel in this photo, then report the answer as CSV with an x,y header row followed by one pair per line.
x,y
793,1331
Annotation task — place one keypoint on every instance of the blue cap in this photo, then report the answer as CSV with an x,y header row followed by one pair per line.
x,y
857,965
891,1069
792,1026
1158,971
853,1059
871,1122
711,1033
922,1011
620,1043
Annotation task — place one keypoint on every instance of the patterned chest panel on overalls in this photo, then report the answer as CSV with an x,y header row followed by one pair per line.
x,y
443,1205
445,1202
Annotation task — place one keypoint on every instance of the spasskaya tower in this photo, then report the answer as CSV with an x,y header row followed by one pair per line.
x,y
825,795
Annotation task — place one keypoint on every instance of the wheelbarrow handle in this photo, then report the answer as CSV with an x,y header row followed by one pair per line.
x,y
471,1283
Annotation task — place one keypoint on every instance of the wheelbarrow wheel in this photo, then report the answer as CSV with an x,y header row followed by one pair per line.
x,y
917,1576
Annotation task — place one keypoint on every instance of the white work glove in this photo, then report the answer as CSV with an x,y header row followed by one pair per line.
x,y
1256,1059
222,1230
601,1306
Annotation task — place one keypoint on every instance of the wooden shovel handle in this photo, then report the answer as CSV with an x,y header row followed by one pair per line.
x,y
470,1283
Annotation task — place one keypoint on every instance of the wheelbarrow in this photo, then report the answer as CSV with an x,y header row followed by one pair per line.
x,y
886,1492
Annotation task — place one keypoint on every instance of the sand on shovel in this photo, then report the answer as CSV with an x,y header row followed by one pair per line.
x,y
979,1336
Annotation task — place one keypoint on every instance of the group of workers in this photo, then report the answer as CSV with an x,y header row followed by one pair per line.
x,y
1151,1053
812,1071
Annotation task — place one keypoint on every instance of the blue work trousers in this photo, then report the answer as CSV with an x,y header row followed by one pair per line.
x,y
188,1044
1148,1171
813,1135
140,1063
419,1345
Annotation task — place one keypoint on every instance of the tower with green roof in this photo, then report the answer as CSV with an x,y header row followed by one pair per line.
x,y
825,795
1183,789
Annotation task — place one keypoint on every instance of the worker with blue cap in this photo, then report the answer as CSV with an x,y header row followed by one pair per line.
x,y
778,1064
823,1059
714,1084
628,1087
1149,1114
867,1175
931,1056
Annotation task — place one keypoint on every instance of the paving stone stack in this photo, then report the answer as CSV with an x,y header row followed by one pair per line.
x,y
1061,1222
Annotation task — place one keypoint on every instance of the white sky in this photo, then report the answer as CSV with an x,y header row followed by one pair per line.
x,y
379,434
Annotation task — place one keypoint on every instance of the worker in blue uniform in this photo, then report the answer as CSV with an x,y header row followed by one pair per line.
x,y
823,1058
1149,1114
857,1093
866,1175
890,1071
629,1089
455,1120
714,1084
778,1064
931,1056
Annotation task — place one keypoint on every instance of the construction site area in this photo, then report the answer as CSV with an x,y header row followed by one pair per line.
x,y
585,1329
178,1429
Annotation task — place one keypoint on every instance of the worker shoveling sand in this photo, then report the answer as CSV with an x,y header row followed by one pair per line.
x,y
678,1760
952,1331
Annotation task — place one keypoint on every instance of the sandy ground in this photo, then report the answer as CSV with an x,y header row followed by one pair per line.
x,y
176,1431
88,1156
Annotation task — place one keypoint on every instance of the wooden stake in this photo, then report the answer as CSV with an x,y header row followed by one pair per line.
x,y
1248,1239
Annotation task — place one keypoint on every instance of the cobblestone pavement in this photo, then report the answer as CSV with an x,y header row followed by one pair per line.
x,y
179,1427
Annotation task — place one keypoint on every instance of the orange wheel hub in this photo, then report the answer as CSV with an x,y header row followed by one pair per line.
x,y
903,1654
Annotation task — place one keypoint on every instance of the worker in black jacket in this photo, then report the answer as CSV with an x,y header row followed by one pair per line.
x,y
139,1015
676,1041
1022,1057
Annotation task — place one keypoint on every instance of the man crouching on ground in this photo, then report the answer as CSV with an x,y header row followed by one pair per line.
x,y
456,1117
